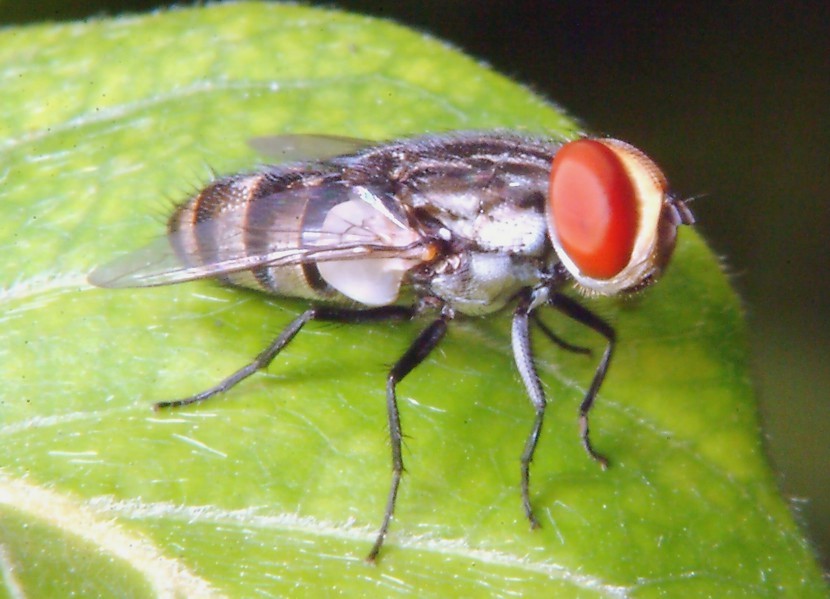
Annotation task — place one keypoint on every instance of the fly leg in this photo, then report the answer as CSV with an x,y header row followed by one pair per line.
x,y
579,313
285,337
523,355
417,352
577,349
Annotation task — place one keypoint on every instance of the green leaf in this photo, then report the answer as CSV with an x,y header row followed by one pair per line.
x,y
278,487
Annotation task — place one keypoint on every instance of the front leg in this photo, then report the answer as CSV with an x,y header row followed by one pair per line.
x,y
523,355
583,315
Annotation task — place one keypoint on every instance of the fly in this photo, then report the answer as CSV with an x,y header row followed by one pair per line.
x,y
459,224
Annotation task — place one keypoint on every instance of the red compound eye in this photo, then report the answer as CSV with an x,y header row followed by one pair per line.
x,y
593,207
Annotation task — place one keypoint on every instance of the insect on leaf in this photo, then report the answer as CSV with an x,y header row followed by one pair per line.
x,y
279,484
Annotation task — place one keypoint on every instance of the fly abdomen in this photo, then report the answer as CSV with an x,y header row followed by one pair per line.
x,y
250,216
303,234
276,219
206,228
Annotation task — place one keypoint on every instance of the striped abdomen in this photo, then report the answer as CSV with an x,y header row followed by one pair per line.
x,y
310,234
255,214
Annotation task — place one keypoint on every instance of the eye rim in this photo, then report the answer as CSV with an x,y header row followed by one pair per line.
x,y
659,215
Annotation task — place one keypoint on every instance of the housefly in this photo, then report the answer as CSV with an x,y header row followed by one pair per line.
x,y
437,226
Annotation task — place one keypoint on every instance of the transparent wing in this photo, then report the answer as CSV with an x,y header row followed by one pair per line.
x,y
357,229
363,227
159,264
307,147
155,264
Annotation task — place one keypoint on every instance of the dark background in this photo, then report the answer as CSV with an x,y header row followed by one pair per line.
x,y
734,103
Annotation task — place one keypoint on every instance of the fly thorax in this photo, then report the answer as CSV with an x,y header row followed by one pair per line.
x,y
484,282
506,227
